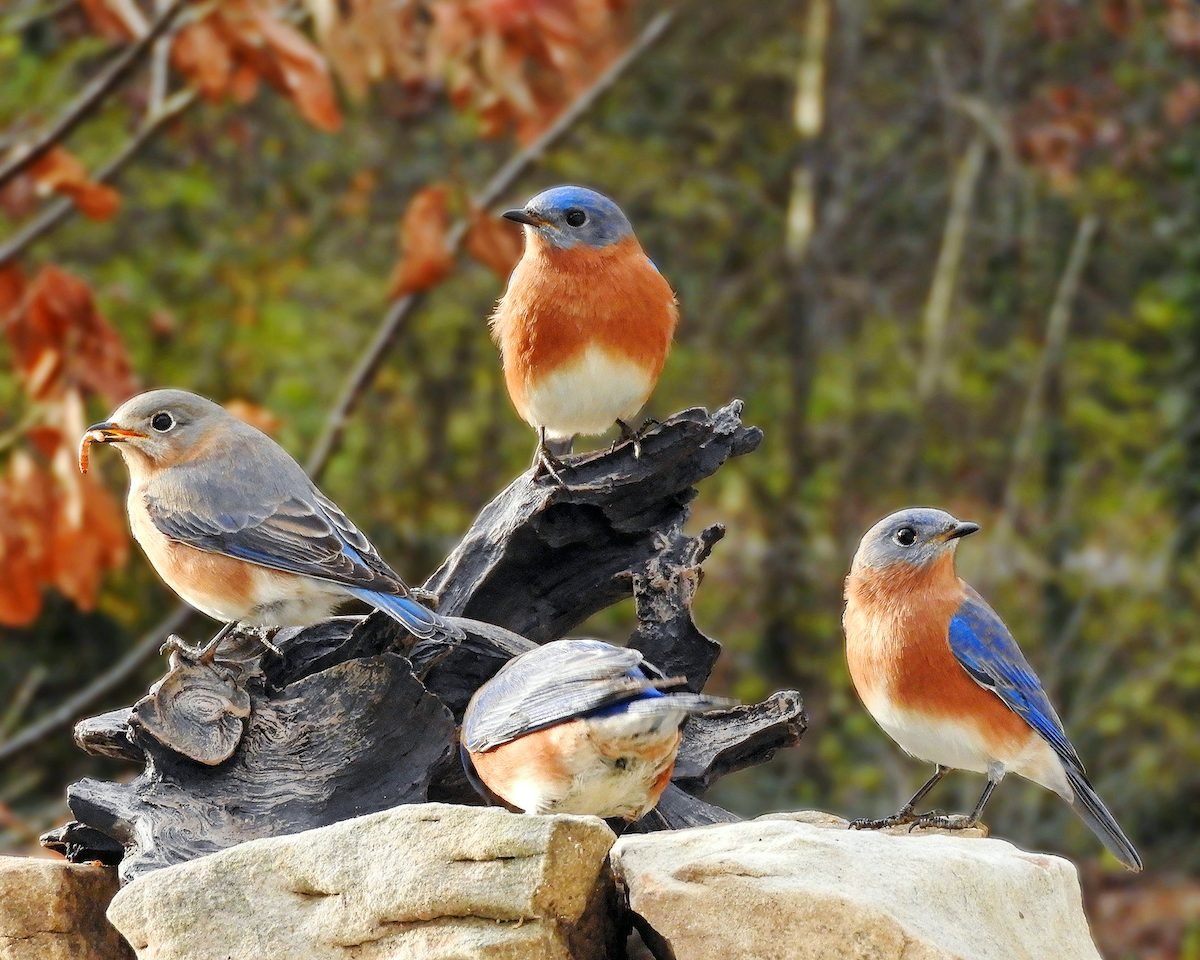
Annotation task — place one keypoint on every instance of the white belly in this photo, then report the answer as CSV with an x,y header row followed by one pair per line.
x,y
935,741
587,395
617,781
960,747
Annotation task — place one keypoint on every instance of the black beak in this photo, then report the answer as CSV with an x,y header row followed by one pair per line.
x,y
520,216
963,528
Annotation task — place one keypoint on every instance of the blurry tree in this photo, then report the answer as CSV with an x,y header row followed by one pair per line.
x,y
947,252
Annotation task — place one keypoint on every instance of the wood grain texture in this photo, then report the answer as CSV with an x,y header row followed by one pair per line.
x,y
353,716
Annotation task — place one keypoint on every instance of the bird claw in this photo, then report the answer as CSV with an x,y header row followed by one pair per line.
x,y
546,462
425,597
939,821
880,823
175,644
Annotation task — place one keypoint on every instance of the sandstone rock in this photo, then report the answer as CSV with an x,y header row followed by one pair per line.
x,y
53,910
424,881
803,886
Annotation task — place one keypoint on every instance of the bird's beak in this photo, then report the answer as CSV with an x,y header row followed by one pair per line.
x,y
523,216
107,432
963,528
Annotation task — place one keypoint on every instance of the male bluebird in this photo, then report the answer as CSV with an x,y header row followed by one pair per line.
x,y
577,726
938,670
586,322
235,527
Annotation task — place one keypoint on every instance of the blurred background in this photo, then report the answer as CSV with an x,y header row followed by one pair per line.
x,y
948,253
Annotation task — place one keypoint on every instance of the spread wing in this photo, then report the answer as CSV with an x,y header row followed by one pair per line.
x,y
982,644
270,514
550,684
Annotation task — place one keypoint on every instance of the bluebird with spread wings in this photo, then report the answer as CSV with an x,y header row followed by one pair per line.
x,y
577,726
236,528
585,324
938,670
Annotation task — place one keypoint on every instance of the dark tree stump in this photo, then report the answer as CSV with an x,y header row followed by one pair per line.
x,y
351,717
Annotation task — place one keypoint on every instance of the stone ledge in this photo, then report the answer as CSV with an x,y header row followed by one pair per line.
x,y
803,887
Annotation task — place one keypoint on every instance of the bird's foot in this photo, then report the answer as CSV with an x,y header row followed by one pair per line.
x,y
205,655
175,644
426,598
880,823
941,821
265,636
629,435
544,462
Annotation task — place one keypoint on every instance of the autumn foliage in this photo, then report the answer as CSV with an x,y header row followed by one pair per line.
x,y
60,530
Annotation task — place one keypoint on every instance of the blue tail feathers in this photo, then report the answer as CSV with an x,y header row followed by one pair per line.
x,y
1092,811
418,620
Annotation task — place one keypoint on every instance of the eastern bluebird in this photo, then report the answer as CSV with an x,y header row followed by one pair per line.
x,y
234,525
577,726
586,322
938,670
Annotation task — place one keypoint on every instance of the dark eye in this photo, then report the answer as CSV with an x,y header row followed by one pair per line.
x,y
162,421
905,536
576,218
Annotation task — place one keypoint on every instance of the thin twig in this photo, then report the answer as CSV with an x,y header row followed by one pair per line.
x,y
62,208
93,95
364,372
67,711
393,320
1058,324
936,319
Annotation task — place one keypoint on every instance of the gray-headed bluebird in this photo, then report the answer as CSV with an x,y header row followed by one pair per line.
x,y
234,525
577,726
938,670
586,322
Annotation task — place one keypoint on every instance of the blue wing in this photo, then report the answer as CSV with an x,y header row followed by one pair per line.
x,y
982,644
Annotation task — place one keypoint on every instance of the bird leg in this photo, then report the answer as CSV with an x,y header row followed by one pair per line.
x,y
958,822
545,461
905,814
206,654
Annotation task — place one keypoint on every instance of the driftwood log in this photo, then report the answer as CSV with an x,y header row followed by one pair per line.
x,y
351,717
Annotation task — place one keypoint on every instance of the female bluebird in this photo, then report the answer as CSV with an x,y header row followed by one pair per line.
x,y
938,670
577,726
234,525
586,322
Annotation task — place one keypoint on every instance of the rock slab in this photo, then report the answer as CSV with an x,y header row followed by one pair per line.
x,y
804,887
429,881
52,910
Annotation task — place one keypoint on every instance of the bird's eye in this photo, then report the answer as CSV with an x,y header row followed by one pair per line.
x,y
576,218
905,536
162,421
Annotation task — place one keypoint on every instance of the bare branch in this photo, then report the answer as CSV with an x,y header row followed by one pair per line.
x,y
945,272
393,321
93,95
360,378
61,209
68,711
1058,323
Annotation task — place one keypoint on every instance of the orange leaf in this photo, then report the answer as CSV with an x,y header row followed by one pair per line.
x,y
425,256
104,21
61,172
303,72
60,340
201,54
495,243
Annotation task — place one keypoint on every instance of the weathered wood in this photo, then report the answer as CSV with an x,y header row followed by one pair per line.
x,y
351,716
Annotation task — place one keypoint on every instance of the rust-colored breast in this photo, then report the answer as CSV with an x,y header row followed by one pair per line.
x,y
558,302
898,652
